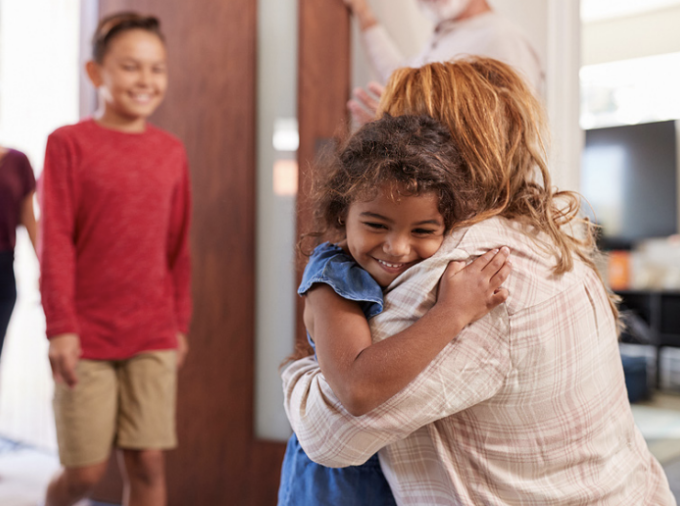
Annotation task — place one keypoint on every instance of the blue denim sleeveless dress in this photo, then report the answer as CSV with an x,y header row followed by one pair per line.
x,y
303,482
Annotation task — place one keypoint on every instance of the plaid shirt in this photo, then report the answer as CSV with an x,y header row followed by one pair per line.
x,y
526,406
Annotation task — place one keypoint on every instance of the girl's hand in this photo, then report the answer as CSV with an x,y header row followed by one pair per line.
x,y
64,354
182,349
469,293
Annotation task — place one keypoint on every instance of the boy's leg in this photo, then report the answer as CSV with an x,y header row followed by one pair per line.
x,y
145,473
85,419
73,484
146,424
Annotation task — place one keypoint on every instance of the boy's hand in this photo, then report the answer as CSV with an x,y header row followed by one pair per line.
x,y
64,354
182,349
471,292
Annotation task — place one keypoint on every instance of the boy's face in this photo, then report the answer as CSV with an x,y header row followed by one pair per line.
x,y
387,236
132,78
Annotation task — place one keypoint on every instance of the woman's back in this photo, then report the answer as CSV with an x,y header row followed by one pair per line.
x,y
538,412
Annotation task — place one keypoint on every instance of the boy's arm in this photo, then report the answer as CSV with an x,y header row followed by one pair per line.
x,y
57,255
179,261
364,375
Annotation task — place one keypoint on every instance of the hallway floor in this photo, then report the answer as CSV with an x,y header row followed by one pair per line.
x,y
25,472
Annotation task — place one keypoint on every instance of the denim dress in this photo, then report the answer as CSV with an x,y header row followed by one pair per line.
x,y
303,482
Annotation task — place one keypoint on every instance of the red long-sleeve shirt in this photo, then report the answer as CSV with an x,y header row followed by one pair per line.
x,y
114,253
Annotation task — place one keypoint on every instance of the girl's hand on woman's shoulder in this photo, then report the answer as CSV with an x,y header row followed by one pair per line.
x,y
470,292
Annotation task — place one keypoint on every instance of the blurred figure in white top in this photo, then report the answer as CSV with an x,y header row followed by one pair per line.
x,y
461,28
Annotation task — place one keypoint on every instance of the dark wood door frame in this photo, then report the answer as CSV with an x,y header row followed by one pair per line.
x,y
211,106
323,90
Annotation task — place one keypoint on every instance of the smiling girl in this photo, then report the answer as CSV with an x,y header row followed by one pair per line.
x,y
385,202
115,270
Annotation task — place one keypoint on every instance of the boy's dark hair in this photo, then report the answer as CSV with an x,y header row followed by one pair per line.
x,y
115,24
407,155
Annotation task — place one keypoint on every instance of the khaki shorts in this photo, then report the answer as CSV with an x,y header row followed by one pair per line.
x,y
129,404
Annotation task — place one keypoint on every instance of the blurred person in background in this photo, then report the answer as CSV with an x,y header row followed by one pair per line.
x,y
461,28
17,187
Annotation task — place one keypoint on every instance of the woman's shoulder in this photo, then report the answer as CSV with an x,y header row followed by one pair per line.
x,y
14,155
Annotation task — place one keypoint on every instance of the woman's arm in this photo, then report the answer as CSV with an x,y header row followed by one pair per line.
x,y
364,375
27,219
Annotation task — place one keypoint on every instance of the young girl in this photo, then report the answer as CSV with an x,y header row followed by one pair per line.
x,y
392,193
115,270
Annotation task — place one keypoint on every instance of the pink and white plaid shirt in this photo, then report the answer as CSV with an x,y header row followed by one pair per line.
x,y
527,406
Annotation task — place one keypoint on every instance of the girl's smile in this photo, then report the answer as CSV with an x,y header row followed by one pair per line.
x,y
386,235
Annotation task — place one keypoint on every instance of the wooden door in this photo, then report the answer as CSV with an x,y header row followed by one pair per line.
x,y
211,106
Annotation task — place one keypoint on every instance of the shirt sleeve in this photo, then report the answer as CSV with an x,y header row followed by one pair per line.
x,y
330,265
27,177
513,48
179,260
382,52
468,371
56,248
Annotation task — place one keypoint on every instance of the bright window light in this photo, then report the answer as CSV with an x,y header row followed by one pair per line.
x,y
632,91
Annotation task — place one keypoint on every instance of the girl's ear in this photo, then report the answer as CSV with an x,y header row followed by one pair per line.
x,y
94,73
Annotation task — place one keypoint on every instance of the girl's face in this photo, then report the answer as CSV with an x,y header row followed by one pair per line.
x,y
132,77
387,236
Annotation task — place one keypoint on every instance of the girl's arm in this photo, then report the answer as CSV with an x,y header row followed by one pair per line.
x,y
364,375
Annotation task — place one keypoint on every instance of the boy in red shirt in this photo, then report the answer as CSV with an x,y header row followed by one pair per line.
x,y
115,267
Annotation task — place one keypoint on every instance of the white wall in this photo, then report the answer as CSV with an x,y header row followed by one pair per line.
x,y
640,35
276,222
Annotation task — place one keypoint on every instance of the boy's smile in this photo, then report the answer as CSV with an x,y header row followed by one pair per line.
x,y
131,79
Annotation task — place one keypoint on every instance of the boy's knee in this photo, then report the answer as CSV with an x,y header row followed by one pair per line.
x,y
81,480
145,466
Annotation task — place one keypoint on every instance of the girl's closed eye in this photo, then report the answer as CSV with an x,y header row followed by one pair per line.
x,y
375,226
424,231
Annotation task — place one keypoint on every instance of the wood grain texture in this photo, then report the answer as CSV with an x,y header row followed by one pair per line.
x,y
210,106
323,91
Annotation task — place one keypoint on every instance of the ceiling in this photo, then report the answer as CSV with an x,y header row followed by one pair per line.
x,y
597,10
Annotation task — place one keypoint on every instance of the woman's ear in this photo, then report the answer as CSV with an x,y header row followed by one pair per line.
x,y
94,73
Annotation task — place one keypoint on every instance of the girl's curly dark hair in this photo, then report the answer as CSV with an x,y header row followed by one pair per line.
x,y
403,155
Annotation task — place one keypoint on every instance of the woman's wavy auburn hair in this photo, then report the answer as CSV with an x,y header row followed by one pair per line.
x,y
498,126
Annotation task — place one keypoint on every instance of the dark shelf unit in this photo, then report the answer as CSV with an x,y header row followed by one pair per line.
x,y
660,310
